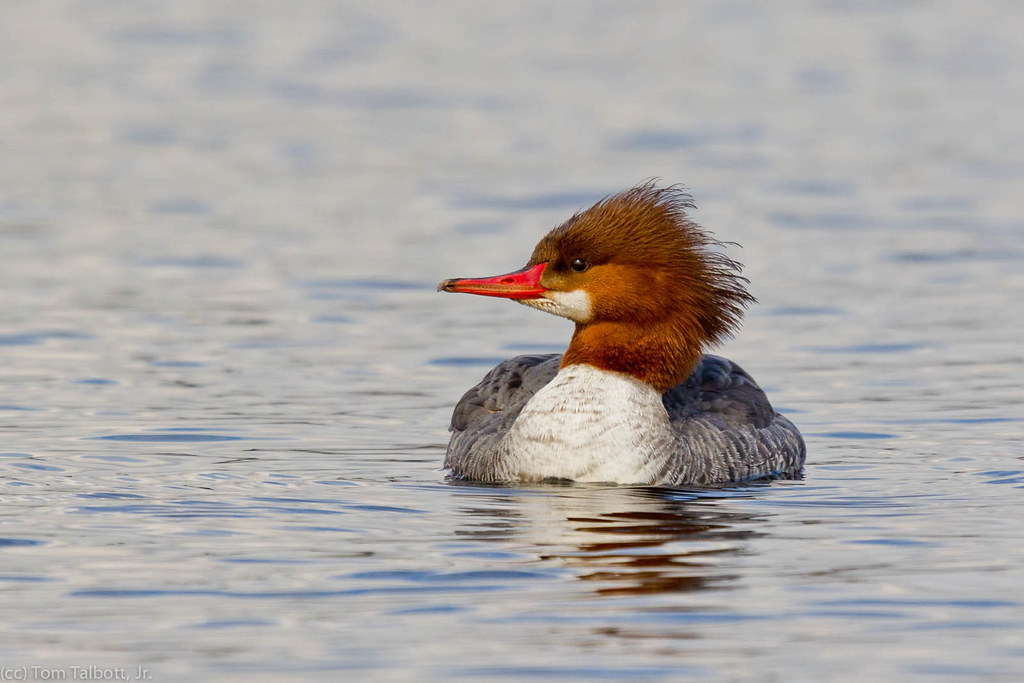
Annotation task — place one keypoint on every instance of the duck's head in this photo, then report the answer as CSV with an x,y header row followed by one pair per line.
x,y
643,283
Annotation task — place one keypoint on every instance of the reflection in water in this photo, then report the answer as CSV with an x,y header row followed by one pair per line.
x,y
622,541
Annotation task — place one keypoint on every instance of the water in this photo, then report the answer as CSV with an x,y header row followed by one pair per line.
x,y
225,376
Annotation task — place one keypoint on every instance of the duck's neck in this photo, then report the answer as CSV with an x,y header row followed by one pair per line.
x,y
661,354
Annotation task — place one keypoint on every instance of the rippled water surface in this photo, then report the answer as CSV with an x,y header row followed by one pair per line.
x,y
225,375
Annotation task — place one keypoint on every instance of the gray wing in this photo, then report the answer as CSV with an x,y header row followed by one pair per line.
x,y
731,430
486,412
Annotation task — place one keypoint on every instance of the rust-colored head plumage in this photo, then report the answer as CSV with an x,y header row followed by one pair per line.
x,y
649,290
663,262
659,293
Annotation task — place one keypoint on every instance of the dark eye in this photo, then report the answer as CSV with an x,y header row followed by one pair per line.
x,y
579,265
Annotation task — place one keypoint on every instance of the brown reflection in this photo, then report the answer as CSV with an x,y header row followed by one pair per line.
x,y
621,541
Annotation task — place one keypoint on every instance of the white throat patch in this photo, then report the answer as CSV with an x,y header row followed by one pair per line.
x,y
574,305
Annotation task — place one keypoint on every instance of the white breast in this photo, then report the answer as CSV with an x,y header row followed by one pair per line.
x,y
590,425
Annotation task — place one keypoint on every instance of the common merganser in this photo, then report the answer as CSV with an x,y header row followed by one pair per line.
x,y
634,399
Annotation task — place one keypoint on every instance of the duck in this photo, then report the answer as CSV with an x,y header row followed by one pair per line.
x,y
634,399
